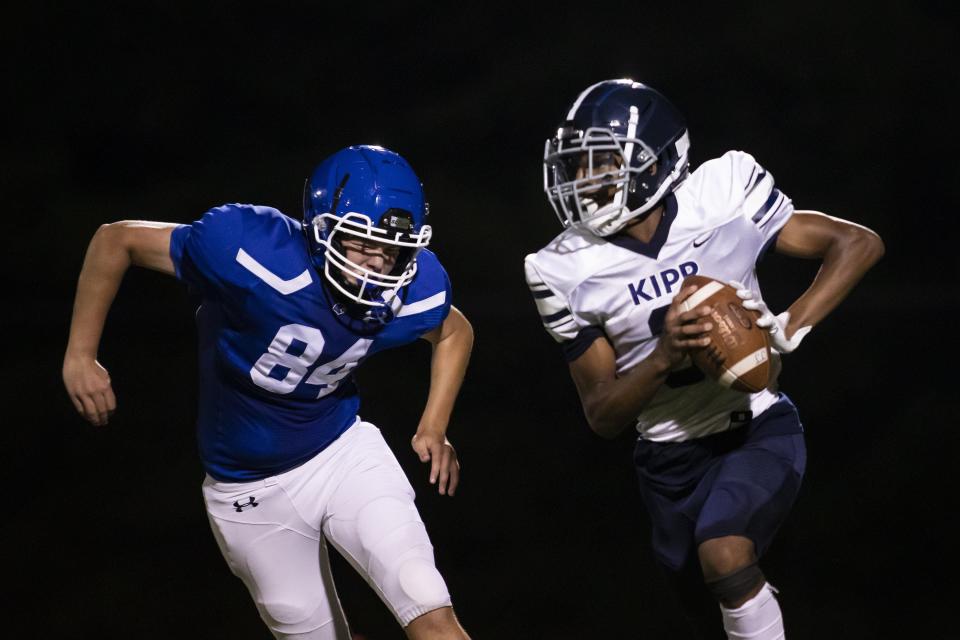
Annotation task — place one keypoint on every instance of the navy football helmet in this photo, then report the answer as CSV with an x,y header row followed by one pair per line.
x,y
597,169
371,194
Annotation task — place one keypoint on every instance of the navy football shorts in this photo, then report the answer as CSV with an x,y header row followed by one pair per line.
x,y
740,482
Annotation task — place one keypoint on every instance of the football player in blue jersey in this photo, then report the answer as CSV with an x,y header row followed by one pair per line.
x,y
288,310
718,469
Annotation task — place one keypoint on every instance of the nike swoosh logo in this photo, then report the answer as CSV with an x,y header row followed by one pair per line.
x,y
697,244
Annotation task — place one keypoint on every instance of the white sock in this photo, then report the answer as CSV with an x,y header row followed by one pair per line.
x,y
757,619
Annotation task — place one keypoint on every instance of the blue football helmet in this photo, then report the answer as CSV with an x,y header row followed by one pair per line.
x,y
371,194
597,169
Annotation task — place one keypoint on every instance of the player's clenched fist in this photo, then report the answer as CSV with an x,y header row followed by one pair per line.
x,y
444,467
683,330
88,385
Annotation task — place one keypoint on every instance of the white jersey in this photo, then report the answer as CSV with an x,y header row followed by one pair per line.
x,y
718,223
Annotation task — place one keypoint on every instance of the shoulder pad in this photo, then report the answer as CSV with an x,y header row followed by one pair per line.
x,y
729,186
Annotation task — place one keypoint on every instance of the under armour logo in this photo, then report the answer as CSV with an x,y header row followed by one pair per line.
x,y
251,502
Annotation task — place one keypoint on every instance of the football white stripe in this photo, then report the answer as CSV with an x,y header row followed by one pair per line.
x,y
743,367
700,295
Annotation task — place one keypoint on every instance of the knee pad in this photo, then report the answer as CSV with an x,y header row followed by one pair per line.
x,y
733,587
298,621
421,582
400,556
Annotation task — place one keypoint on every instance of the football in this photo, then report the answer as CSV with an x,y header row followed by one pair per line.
x,y
739,352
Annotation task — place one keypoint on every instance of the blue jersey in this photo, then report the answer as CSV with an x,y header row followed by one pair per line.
x,y
276,360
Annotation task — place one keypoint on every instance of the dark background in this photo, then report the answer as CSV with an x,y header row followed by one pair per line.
x,y
149,111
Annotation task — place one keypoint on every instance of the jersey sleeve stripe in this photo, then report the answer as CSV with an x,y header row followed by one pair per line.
x,y
286,287
553,317
755,179
563,322
781,211
426,304
775,195
769,217
558,318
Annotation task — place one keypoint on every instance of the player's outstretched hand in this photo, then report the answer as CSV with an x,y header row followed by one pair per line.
x,y
775,325
683,330
88,385
444,466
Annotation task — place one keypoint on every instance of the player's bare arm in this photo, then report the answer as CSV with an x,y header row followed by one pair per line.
x,y
847,251
452,342
112,250
611,403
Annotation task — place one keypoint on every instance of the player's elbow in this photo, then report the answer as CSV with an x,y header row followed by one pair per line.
x,y
604,430
605,426
115,234
109,237
876,248
863,243
106,231
604,417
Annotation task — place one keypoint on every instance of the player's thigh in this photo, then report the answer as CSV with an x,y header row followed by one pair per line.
x,y
754,490
373,521
278,556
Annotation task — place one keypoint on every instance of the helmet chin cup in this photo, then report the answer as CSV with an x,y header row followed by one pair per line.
x,y
608,220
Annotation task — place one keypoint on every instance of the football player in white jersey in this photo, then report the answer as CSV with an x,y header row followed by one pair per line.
x,y
718,469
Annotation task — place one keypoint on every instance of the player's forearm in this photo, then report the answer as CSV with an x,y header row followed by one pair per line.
x,y
845,263
106,261
614,405
448,366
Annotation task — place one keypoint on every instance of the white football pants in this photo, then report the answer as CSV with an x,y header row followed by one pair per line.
x,y
353,494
